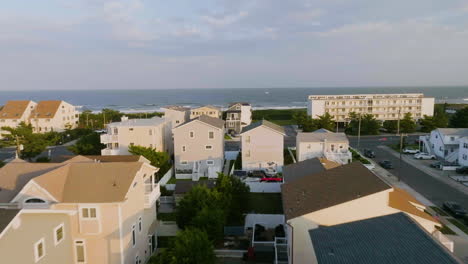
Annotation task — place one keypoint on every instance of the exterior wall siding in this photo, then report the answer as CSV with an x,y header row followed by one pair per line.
x,y
261,146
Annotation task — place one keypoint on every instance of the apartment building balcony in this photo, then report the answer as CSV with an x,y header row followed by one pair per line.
x,y
152,193
106,138
109,152
342,157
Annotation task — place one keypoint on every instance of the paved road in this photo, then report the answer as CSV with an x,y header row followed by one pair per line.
x,y
434,190
55,151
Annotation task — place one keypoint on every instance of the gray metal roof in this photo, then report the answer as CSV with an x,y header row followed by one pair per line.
x,y
301,169
266,123
392,239
454,131
321,135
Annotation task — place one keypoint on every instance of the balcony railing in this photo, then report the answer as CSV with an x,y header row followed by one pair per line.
x,y
106,138
341,157
107,152
152,193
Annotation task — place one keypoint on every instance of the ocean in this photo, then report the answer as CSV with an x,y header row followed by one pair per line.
x,y
261,98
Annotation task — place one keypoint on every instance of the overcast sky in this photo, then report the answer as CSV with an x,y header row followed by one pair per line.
x,y
155,44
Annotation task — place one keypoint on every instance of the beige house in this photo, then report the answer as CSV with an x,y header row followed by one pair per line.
x,y
53,116
177,115
238,115
337,196
15,112
199,148
208,110
105,212
323,143
262,145
151,133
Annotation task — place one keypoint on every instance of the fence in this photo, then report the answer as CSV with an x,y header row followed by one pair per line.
x,y
265,187
229,253
163,181
266,220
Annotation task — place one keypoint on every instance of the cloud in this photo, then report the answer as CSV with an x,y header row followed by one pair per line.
x,y
224,20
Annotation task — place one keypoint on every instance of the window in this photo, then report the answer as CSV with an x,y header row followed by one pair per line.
x,y
247,139
130,129
133,236
80,251
183,162
34,200
247,154
139,224
177,121
39,250
192,134
211,135
208,147
150,132
88,213
132,144
184,148
465,157
116,131
58,234
210,162
137,259
452,138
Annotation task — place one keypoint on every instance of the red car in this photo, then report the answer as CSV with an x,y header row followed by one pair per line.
x,y
271,180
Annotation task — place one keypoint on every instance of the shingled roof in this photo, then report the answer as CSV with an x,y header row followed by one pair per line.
x,y
301,169
212,121
328,188
46,109
6,216
14,109
394,238
265,123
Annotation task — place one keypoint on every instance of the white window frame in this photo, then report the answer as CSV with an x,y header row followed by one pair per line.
x,y
83,243
210,162
36,252
209,133
210,147
89,213
55,234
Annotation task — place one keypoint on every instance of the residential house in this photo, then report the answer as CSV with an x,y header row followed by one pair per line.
x,y
262,145
177,115
323,143
444,143
15,112
152,133
105,212
238,115
337,196
199,148
381,106
463,152
53,115
208,110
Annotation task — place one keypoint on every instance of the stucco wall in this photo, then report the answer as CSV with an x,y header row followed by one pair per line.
x,y
265,146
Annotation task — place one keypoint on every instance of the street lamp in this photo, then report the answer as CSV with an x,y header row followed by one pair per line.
x,y
401,150
359,132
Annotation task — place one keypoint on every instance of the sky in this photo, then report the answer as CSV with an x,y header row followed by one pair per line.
x,y
155,44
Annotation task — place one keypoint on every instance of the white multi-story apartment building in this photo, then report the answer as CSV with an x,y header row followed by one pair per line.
x,y
199,148
382,106
15,112
238,115
463,152
262,145
323,144
53,115
152,133
444,143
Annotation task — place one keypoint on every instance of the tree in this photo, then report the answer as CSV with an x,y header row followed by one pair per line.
x,y
407,124
190,246
237,192
33,144
157,159
88,145
440,117
460,118
325,121
369,125
390,125
304,121
427,123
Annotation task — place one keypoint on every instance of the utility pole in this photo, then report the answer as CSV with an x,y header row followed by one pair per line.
x,y
398,123
359,132
401,150
104,122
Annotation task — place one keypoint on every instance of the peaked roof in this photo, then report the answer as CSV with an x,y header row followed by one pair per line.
x,y
6,216
241,103
46,109
322,135
393,238
328,188
90,182
177,108
14,109
265,123
207,106
403,201
301,169
105,158
212,121
453,131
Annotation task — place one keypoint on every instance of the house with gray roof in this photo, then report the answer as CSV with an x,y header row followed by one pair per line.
x,y
262,146
444,143
323,143
199,148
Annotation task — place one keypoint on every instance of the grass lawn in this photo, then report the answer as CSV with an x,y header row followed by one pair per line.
x,y
227,137
281,117
172,180
358,157
439,211
445,230
167,216
459,224
265,203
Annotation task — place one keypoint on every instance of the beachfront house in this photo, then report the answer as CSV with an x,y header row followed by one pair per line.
x,y
238,115
78,211
323,143
15,112
53,115
327,201
262,146
463,152
444,143
208,110
199,148
177,115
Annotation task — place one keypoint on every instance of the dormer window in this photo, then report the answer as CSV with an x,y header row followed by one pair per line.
x,y
35,200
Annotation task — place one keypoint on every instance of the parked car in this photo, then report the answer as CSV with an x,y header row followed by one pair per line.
x,y
410,151
271,179
436,165
386,164
257,174
462,170
369,153
240,173
424,156
454,208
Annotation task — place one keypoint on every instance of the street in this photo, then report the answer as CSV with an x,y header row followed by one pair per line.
x,y
433,189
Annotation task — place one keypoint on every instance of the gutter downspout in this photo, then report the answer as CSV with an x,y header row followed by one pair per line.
x,y
122,261
292,244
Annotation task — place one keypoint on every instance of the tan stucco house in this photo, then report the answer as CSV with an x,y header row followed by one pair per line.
x,y
101,212
262,145
177,115
15,112
208,110
53,115
199,148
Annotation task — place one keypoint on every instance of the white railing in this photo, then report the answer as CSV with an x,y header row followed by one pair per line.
x,y
152,193
340,157
281,250
163,181
106,138
111,152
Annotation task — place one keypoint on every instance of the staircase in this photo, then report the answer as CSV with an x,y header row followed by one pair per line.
x,y
427,148
451,157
